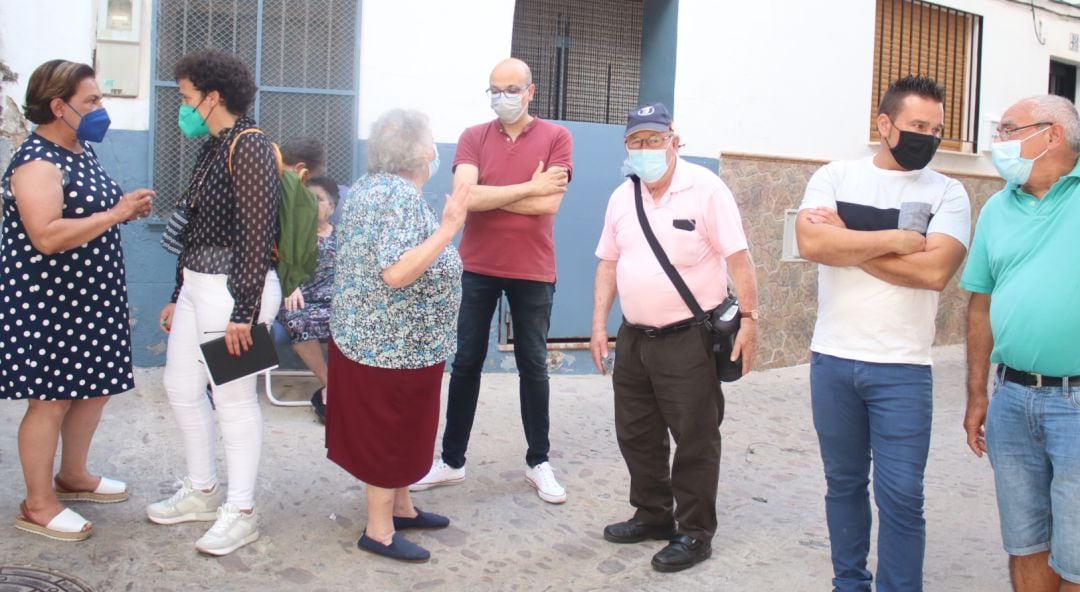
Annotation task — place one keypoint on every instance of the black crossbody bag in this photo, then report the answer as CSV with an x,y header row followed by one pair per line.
x,y
722,322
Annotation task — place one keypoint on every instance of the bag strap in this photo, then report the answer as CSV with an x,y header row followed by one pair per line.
x,y
253,130
665,263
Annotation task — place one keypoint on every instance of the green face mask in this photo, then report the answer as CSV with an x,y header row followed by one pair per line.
x,y
191,123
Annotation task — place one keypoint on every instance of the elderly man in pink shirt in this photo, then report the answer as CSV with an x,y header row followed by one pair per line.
x,y
665,376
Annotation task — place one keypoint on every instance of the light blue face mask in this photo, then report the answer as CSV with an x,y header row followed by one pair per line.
x,y
433,166
1007,160
648,165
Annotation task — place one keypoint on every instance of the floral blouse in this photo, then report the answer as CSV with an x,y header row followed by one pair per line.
x,y
372,323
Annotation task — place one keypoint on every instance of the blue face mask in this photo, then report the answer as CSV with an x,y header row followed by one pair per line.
x,y
433,166
648,165
92,126
1007,160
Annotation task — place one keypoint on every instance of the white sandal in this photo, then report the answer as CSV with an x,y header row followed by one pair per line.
x,y
108,491
66,526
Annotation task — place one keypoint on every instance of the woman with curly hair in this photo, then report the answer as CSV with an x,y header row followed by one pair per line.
x,y
224,283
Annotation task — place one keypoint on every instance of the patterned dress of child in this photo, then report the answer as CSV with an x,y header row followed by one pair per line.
x,y
313,321
64,331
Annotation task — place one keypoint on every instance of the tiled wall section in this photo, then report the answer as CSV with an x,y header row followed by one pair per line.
x,y
766,186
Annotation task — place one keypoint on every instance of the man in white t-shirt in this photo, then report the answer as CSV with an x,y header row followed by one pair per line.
x,y
888,234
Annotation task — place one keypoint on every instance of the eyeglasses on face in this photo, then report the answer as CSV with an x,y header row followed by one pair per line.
x,y
1004,133
510,91
654,141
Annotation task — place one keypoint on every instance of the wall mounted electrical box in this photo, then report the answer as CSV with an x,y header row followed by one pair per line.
x,y
116,57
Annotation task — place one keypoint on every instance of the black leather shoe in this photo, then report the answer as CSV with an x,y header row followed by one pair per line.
x,y
682,552
634,531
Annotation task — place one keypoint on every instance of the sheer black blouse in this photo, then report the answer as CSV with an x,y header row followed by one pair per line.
x,y
234,216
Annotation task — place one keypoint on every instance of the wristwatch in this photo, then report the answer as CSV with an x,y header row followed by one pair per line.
x,y
749,314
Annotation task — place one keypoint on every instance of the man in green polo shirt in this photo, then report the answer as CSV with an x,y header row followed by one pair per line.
x,y
1024,316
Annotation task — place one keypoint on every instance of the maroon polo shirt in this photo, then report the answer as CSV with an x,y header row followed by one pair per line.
x,y
500,243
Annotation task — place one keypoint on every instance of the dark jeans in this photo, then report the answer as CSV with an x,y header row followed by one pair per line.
x,y
870,415
669,383
530,312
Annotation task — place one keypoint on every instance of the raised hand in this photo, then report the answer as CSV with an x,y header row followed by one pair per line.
x,y
135,204
456,208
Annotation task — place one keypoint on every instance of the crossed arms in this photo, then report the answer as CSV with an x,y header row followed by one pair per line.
x,y
899,257
540,195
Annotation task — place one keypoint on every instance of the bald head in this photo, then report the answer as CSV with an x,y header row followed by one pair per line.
x,y
1053,109
511,72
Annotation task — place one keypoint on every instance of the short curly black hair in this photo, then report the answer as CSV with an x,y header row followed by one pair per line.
x,y
209,70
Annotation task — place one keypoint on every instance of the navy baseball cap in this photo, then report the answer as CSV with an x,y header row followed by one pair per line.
x,y
650,116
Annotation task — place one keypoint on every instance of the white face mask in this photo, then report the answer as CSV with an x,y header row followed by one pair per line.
x,y
508,108
1007,160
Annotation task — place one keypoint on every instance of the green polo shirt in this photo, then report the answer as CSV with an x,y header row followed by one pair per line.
x,y
1026,255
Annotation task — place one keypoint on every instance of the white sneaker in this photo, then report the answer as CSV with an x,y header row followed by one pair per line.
x,y
233,530
186,505
440,474
542,477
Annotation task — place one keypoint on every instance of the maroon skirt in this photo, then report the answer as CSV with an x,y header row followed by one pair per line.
x,y
381,422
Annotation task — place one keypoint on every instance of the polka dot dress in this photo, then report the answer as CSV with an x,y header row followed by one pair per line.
x,y
64,330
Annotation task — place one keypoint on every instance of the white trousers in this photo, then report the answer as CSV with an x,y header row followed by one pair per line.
x,y
202,312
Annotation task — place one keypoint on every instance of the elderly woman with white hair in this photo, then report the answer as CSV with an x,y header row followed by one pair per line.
x,y
392,325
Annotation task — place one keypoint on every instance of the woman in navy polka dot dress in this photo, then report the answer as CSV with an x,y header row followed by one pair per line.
x,y
65,342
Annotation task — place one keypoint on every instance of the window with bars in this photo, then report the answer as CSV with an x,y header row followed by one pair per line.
x,y
303,56
920,38
585,56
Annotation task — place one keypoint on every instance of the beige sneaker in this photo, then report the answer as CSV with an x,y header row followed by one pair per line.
x,y
186,505
233,530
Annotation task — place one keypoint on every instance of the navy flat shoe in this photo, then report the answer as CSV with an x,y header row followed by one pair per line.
x,y
422,520
400,548
318,405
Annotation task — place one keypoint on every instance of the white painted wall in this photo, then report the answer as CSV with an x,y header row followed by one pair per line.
x,y
776,77
33,32
431,56
787,78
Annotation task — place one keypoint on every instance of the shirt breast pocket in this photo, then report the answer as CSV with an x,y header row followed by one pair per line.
x,y
684,241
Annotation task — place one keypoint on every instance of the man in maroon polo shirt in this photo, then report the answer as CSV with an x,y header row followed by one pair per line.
x,y
519,166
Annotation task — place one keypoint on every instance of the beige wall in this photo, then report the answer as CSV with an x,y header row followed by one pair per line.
x,y
764,187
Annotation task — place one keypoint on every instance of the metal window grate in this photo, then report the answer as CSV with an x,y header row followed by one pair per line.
x,y
585,56
303,54
917,37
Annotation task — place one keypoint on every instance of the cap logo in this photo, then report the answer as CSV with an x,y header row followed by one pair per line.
x,y
646,111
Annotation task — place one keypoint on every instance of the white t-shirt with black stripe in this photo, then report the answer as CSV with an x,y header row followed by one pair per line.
x,y
861,317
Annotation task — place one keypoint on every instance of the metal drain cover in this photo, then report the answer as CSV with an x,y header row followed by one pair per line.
x,y
34,579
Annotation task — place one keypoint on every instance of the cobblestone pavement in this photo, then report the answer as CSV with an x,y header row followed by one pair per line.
x,y
772,529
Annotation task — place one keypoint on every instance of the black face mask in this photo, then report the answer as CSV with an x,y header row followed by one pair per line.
x,y
914,151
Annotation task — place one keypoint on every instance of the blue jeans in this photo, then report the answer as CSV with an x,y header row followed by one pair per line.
x,y
865,411
1033,440
530,313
